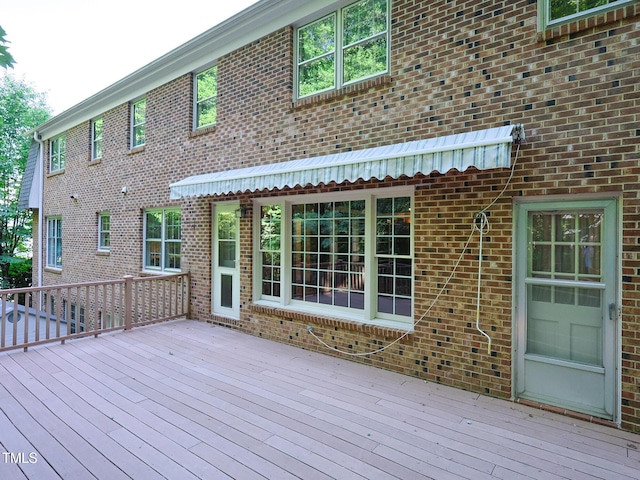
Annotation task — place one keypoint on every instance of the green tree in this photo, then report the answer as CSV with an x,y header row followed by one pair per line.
x,y
21,110
6,60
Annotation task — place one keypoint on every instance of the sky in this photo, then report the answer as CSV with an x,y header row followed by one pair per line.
x,y
72,49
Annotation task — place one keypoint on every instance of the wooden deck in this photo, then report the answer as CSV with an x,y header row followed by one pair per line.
x,y
185,399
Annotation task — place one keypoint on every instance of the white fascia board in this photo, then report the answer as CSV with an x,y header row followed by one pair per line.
x,y
253,23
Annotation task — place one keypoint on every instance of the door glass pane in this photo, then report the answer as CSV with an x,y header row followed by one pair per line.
x,y
227,254
227,231
565,322
226,291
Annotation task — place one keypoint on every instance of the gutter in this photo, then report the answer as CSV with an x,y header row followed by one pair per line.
x,y
40,163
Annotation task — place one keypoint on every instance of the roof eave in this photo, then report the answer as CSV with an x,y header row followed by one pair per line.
x,y
251,24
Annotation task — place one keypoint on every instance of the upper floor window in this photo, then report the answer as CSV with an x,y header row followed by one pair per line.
x,y
562,11
346,46
57,153
96,139
206,97
104,231
54,242
162,239
138,120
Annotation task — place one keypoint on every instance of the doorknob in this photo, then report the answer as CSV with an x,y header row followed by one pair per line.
x,y
613,313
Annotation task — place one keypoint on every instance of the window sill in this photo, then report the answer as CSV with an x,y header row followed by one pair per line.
x,y
95,161
202,131
555,31
344,91
157,273
135,150
57,172
103,253
386,328
55,270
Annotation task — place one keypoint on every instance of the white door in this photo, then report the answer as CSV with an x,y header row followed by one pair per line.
x,y
567,310
226,251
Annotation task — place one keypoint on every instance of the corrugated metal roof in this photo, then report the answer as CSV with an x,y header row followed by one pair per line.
x,y
483,149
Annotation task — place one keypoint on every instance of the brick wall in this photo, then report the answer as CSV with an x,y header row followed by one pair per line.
x,y
456,66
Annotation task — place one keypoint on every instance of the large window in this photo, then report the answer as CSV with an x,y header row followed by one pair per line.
x,y
96,139
206,96
343,47
104,231
351,255
162,239
561,11
138,121
57,153
54,242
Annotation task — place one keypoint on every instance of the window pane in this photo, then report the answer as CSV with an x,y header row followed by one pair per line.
x,y
316,76
365,59
154,225
321,251
316,39
154,253
206,97
363,20
172,255
173,225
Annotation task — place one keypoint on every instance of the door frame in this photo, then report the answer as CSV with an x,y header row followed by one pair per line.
x,y
216,308
521,206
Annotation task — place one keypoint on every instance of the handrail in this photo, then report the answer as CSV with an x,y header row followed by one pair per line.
x,y
37,315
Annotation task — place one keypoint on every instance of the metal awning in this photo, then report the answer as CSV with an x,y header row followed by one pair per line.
x,y
482,149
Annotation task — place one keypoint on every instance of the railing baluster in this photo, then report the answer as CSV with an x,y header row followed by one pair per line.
x,y
154,299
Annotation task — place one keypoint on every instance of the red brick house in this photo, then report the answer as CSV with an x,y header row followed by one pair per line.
x,y
447,189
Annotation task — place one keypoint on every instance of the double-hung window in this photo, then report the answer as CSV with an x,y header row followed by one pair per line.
x,y
206,98
557,12
350,255
96,139
54,242
346,46
138,121
57,153
162,240
104,231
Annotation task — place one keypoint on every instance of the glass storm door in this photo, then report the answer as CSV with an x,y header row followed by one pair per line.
x,y
226,247
567,311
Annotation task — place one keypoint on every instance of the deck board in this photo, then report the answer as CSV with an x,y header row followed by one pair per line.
x,y
186,399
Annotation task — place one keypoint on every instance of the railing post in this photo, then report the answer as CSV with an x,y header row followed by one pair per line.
x,y
128,296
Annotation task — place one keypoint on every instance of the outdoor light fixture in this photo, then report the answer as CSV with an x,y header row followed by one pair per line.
x,y
242,211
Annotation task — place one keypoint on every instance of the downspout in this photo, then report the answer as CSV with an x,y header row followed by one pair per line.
x,y
36,137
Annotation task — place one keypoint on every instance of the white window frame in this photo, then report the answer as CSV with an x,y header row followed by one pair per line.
x,y
96,138
57,153
162,240
104,234
338,51
370,312
544,14
54,242
197,102
135,126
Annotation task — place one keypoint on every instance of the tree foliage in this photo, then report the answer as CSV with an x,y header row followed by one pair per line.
x,y
21,110
6,60
359,52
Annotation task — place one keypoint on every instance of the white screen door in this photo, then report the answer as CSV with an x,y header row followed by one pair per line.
x,y
567,311
225,284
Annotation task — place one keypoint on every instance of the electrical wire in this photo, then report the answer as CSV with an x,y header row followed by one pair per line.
x,y
483,228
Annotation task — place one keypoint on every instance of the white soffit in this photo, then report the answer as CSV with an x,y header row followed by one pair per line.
x,y
482,149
